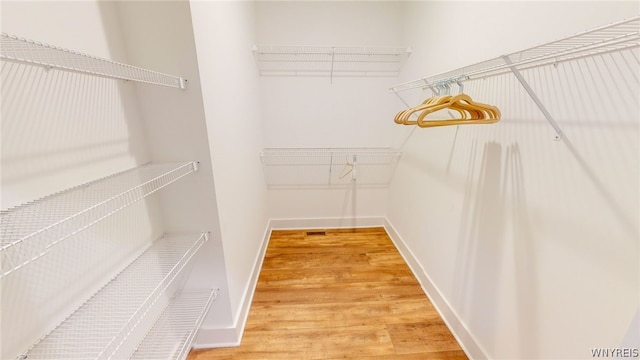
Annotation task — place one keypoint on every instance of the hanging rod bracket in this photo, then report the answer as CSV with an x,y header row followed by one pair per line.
x,y
459,80
533,96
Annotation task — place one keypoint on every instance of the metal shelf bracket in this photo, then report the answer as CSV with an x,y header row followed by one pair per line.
x,y
532,94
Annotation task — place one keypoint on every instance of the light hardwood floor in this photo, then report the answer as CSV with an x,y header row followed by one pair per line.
x,y
346,294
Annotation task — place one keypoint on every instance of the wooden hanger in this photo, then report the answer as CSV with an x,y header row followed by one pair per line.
x,y
403,116
479,113
471,112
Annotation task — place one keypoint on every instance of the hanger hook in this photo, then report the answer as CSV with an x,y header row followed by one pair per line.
x,y
460,85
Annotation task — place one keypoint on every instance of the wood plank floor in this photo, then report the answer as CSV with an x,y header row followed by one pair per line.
x,y
346,294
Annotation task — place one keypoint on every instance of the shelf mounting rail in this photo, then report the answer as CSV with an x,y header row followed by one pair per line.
x,y
14,48
331,61
615,37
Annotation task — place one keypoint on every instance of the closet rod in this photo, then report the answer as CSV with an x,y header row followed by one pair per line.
x,y
329,50
328,53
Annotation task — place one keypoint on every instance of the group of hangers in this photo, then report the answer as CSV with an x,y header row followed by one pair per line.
x,y
470,112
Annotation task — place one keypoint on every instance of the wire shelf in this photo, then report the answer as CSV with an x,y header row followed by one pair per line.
x,y
27,232
28,51
330,60
100,327
172,335
328,166
614,37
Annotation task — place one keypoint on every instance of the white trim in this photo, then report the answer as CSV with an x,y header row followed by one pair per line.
x,y
327,223
250,290
467,341
232,336
209,338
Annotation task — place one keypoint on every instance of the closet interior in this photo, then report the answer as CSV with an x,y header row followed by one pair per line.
x,y
149,148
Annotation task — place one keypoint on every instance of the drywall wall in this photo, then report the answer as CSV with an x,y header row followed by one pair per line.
x,y
54,132
224,34
303,112
177,130
530,245
62,129
175,126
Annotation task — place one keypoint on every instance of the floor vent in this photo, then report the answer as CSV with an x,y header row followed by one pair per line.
x,y
316,233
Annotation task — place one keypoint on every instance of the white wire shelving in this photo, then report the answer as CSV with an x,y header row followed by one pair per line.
x,y
29,231
609,38
14,48
330,61
320,167
172,335
615,37
101,327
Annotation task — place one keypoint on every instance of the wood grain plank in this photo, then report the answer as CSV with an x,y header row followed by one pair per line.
x,y
337,293
345,274
345,294
292,316
421,337
321,343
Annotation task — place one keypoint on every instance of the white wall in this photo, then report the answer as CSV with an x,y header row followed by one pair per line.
x,y
317,112
530,245
56,129
224,34
174,121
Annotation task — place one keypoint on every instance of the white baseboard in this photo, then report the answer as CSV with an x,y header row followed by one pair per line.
x,y
327,223
232,336
466,340
249,291
209,338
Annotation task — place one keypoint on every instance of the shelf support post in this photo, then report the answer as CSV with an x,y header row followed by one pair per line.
x,y
333,53
534,97
401,99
